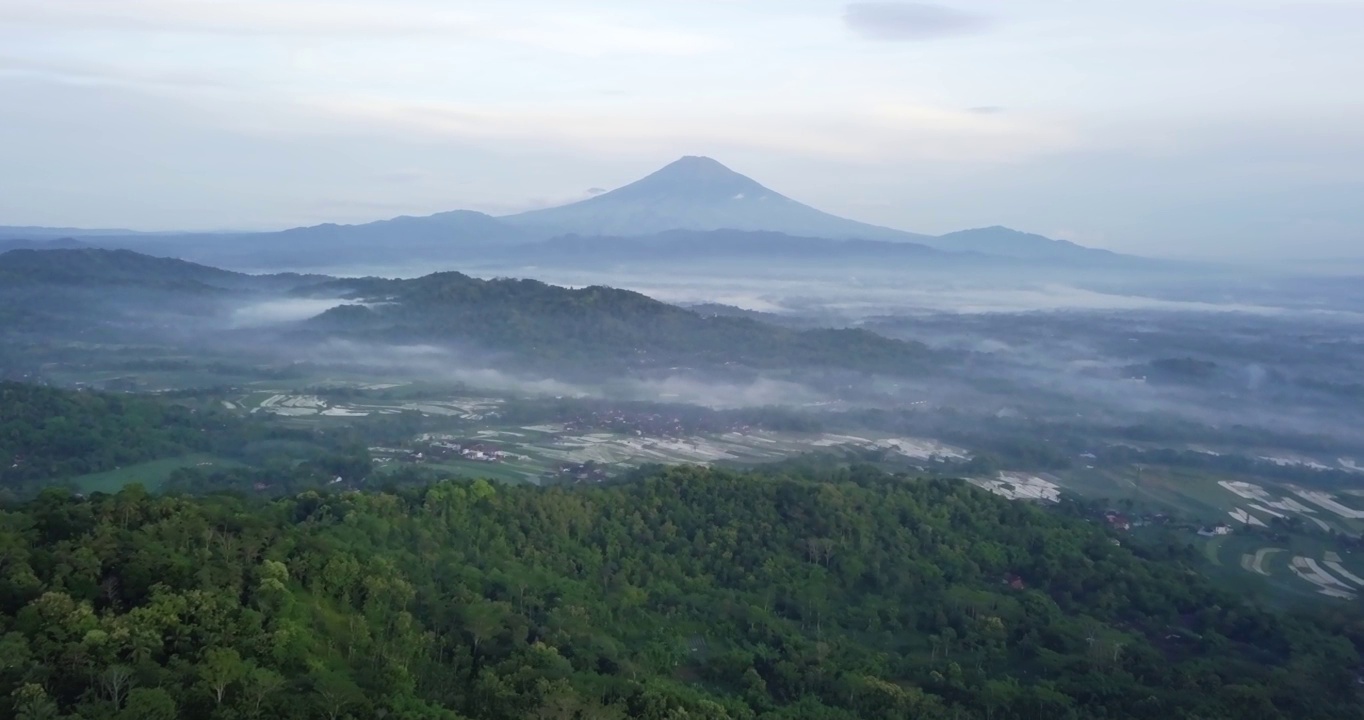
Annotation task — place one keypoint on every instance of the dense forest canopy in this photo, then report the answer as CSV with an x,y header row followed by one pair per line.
x,y
685,593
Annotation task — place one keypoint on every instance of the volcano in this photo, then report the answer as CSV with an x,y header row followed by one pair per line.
x,y
698,193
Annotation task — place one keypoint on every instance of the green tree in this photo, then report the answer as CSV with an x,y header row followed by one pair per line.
x,y
335,692
220,669
149,704
32,703
259,685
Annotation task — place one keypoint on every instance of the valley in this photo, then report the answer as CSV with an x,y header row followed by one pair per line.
x,y
1275,503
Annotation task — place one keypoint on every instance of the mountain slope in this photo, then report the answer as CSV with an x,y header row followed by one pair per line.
x,y
697,193
121,296
440,231
440,237
88,267
94,267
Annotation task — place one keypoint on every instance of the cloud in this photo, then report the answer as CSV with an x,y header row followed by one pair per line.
x,y
595,191
403,177
910,22
985,110
526,205
272,312
870,130
228,18
106,73
582,35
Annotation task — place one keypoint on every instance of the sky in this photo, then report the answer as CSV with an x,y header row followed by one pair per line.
x,y
1163,127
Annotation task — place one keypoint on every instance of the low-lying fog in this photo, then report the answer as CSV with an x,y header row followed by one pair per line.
x,y
866,291
1282,354
449,365
281,310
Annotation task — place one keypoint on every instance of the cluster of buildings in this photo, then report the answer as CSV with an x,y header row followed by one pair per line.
x,y
1117,520
653,424
436,450
577,473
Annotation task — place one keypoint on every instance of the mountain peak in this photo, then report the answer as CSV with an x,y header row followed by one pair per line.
x,y
694,176
696,163
696,192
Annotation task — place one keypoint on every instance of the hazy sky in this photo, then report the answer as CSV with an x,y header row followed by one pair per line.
x,y
1160,126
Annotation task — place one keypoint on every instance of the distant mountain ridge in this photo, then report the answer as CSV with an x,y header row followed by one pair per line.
x,y
686,199
592,333
437,230
59,243
1007,242
89,268
33,232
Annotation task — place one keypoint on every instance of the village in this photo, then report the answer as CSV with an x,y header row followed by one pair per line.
x,y
437,448
681,422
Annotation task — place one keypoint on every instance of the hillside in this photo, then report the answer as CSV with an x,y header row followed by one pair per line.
x,y
87,267
687,594
439,235
55,244
596,328
120,297
49,435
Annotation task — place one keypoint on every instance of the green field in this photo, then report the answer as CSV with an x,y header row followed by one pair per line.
x,y
1257,561
1232,558
1185,492
504,472
151,475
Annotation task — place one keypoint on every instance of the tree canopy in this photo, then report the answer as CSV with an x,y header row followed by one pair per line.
x,y
685,593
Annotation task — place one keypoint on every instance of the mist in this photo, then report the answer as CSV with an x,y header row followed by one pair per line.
x,y
864,290
472,369
281,310
1022,354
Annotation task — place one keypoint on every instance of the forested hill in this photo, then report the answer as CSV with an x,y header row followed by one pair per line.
x,y
689,594
93,267
49,434
118,296
597,327
53,436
